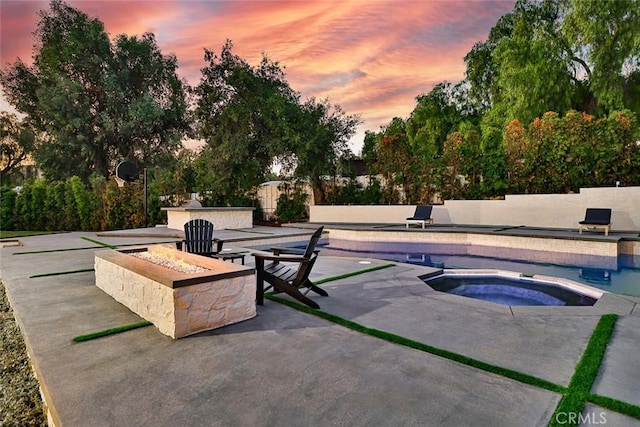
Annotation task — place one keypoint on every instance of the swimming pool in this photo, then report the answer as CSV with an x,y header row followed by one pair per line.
x,y
510,289
622,280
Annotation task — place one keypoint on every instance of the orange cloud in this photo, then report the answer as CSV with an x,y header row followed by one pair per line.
x,y
371,57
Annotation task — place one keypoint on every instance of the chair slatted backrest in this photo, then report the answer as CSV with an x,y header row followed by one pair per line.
x,y
423,212
311,246
600,216
198,235
305,267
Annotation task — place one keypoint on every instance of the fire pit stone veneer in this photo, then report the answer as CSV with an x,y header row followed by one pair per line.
x,y
177,303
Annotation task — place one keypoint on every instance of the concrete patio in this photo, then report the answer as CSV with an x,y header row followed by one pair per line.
x,y
286,367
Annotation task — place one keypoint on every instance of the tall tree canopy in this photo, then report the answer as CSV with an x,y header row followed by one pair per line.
x,y
250,119
243,114
557,55
320,135
605,39
97,101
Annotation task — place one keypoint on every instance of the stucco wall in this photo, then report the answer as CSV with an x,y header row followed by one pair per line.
x,y
222,217
539,210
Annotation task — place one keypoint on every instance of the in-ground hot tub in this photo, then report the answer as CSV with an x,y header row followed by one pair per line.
x,y
195,295
513,289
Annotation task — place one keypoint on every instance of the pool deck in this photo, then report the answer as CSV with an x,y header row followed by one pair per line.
x,y
287,367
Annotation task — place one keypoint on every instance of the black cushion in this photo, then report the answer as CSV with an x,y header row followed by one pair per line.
x,y
597,216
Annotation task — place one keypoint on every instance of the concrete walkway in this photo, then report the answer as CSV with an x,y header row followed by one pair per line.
x,y
289,368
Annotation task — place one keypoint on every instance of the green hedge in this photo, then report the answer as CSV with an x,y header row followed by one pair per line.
x,y
70,205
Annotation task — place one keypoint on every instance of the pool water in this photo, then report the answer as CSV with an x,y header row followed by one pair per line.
x,y
622,280
509,291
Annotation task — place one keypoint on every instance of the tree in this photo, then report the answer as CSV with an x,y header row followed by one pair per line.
x,y
433,117
369,149
557,55
515,147
147,108
533,68
482,70
320,140
176,179
605,38
471,165
494,163
97,103
17,140
394,160
251,118
556,154
243,113
621,160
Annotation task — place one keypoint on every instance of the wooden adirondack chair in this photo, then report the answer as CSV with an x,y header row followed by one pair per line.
x,y
285,278
199,239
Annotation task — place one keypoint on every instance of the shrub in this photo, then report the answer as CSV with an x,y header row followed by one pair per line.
x,y
292,207
7,208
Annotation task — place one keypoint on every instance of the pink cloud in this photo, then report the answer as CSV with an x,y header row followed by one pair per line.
x,y
371,57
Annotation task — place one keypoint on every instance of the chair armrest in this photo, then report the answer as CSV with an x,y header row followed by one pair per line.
x,y
274,257
219,243
291,251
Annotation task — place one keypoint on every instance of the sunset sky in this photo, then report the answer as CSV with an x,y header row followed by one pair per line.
x,y
371,57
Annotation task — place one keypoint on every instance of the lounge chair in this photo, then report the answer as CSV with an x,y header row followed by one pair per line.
x,y
422,215
286,278
198,238
596,218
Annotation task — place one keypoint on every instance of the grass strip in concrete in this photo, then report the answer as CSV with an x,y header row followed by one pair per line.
x,y
574,396
579,390
61,273
5,234
106,245
353,273
111,331
615,405
586,371
56,250
99,243
243,230
396,339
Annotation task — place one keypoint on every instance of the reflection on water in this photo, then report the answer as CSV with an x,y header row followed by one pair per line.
x,y
620,275
595,276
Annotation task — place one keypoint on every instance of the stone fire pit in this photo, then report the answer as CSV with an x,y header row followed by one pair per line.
x,y
161,287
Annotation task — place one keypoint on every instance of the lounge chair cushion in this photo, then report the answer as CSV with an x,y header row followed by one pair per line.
x,y
597,216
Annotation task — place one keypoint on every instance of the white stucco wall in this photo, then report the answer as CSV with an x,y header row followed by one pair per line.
x,y
221,217
538,210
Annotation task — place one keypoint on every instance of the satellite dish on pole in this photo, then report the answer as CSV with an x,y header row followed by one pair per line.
x,y
126,171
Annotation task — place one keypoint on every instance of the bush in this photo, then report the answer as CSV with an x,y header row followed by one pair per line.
x,y
292,207
69,205
7,208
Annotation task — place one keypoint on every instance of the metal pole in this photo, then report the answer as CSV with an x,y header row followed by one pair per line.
x,y
146,210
